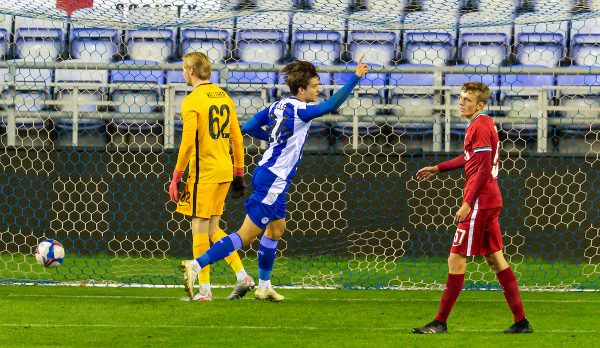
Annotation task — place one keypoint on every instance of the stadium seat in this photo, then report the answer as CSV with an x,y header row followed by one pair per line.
x,y
428,48
317,46
251,91
580,125
38,40
254,44
378,47
317,38
541,43
94,44
480,44
489,49
367,31
39,44
586,49
91,131
261,46
5,31
138,92
523,104
215,43
150,45
411,98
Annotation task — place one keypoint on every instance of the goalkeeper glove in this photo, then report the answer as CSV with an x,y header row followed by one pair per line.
x,y
238,186
173,188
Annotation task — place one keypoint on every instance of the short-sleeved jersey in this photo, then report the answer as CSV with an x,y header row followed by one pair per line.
x,y
287,134
209,124
482,135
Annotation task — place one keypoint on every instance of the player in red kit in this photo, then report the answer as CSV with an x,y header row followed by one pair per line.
x,y
478,231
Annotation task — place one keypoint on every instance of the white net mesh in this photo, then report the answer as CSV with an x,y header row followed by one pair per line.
x,y
90,102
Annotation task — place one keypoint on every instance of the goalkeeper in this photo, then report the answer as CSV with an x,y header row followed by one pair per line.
x,y
209,125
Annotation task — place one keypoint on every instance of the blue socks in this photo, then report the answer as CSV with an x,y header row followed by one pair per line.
x,y
221,250
266,257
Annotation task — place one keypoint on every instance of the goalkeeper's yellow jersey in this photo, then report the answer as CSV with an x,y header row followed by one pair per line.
x,y
209,125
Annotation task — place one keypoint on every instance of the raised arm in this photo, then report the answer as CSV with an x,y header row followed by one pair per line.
x,y
336,100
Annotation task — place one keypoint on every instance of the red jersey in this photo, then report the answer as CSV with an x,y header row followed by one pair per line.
x,y
482,135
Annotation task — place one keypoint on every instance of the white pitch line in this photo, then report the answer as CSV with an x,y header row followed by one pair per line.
x,y
300,298
245,327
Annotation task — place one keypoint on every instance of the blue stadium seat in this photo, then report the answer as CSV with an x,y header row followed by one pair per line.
x,y
368,33
251,91
39,44
485,48
586,49
261,46
138,91
378,47
317,37
429,48
541,43
150,45
540,49
215,43
88,98
5,30
255,44
523,103
415,103
94,44
317,46
573,130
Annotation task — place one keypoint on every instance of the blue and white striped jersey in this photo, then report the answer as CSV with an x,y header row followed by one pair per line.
x,y
287,135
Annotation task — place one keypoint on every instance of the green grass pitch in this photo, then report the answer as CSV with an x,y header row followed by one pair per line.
x,y
62,316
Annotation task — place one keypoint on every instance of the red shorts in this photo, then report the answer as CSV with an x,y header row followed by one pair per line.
x,y
479,234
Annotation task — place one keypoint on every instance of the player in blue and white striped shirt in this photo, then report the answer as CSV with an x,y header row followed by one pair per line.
x,y
288,122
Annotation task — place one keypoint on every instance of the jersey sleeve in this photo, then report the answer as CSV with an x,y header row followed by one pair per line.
x,y
481,139
455,163
331,104
190,126
237,141
253,126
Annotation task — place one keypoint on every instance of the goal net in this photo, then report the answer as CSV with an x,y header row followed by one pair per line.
x,y
90,94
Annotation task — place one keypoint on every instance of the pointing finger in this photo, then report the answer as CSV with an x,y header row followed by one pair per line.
x,y
361,59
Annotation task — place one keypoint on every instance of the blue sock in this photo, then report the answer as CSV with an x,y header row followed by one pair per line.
x,y
266,257
220,250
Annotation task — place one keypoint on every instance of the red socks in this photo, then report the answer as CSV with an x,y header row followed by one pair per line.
x,y
511,293
454,285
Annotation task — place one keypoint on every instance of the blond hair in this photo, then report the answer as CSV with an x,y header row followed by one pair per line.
x,y
199,62
480,89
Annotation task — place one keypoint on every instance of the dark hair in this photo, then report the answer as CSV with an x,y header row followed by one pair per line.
x,y
481,90
298,74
